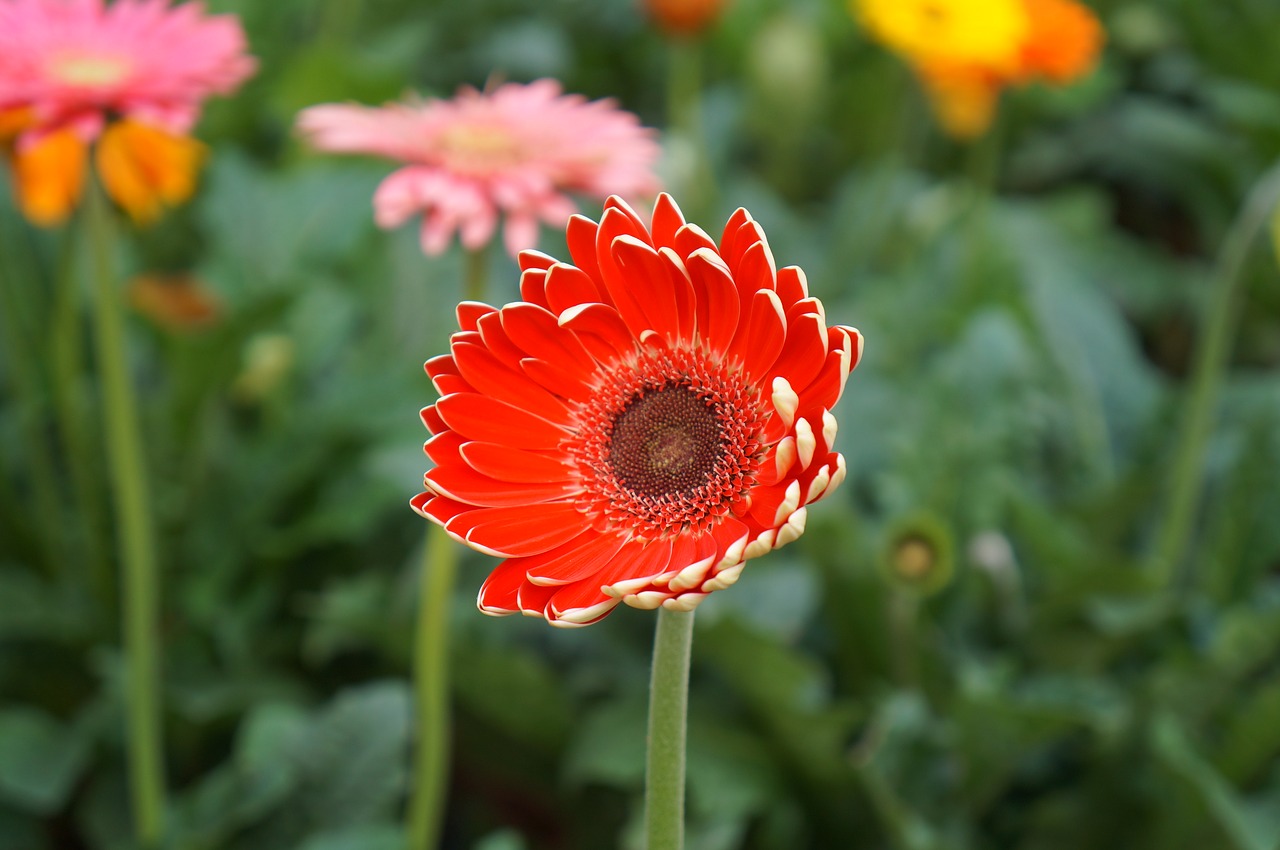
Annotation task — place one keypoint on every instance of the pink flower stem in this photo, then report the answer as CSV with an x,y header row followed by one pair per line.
x,y
668,719
140,594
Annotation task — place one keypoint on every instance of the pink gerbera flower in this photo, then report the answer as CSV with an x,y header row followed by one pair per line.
x,y
518,150
76,61
127,80
645,421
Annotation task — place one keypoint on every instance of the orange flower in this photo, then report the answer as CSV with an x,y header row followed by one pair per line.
x,y
174,302
1063,43
49,177
144,169
684,17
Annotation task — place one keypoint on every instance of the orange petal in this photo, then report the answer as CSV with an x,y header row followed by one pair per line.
x,y
1064,40
15,120
963,98
49,177
145,169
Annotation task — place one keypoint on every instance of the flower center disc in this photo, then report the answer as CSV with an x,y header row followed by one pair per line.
x,y
89,70
666,442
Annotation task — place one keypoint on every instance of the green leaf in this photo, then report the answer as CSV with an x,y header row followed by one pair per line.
x,y
380,836
40,760
516,691
1247,827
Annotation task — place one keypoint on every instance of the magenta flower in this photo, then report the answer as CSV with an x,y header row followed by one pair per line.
x,y
72,63
518,150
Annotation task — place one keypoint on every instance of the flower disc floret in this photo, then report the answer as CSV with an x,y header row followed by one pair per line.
x,y
643,422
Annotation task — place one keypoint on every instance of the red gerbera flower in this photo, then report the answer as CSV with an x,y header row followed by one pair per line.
x,y
642,423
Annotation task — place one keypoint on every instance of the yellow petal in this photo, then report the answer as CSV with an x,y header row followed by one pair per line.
x,y
145,169
49,177
981,32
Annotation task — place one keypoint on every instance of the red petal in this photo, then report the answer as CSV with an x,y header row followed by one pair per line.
x,y
760,339
444,447
620,287
609,335
498,593
718,310
431,418
533,287
571,384
508,464
682,288
792,285
531,259
580,234
804,352
538,333
493,378
667,220
651,285
690,238
496,340
463,484
521,530
469,312
481,418
636,226
578,559
729,238
568,286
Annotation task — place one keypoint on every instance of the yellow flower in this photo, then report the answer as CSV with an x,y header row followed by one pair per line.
x,y
145,169
966,51
49,177
985,32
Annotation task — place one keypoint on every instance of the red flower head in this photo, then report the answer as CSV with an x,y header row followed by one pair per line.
x,y
641,424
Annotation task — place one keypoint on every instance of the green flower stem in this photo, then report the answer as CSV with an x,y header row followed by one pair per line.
x,y
431,656
904,616
668,710
27,383
1210,365
684,89
136,535
431,690
67,357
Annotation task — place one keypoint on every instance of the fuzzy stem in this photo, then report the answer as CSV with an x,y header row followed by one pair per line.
x,y
431,690
668,710
135,533
431,655
1210,365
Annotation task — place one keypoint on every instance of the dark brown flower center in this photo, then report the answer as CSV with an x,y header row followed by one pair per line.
x,y
665,442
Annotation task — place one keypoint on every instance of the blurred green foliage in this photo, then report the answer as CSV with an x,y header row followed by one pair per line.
x,y
1031,306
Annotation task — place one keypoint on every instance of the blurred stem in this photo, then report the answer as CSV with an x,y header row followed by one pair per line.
x,y
431,690
684,91
26,380
477,271
904,612
1210,365
431,653
668,710
67,356
135,532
